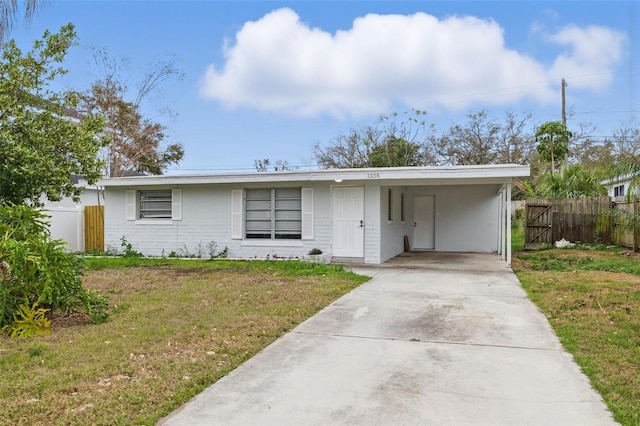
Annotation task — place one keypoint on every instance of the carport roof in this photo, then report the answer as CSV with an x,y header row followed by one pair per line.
x,y
425,175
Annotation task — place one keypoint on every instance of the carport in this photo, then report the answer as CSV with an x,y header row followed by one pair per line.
x,y
440,209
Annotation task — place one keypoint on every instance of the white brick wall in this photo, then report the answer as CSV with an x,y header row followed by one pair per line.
x,y
206,218
466,220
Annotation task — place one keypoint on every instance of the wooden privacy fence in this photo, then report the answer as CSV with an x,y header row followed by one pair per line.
x,y
626,239
574,219
94,228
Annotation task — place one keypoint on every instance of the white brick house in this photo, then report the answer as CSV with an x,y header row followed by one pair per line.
x,y
357,214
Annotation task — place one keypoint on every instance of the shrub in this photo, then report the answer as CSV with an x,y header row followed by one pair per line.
x,y
37,269
29,321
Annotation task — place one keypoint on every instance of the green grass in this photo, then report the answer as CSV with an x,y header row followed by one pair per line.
x,y
592,300
517,237
175,328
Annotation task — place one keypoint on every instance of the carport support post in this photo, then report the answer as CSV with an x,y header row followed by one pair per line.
x,y
508,242
501,231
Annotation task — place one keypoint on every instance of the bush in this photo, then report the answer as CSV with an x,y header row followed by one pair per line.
x,y
37,269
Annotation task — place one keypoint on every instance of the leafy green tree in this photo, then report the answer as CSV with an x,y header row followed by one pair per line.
x,y
42,141
553,143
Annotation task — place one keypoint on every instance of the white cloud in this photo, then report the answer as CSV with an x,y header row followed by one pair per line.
x,y
278,63
592,54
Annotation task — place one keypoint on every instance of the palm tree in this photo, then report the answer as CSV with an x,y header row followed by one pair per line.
x,y
573,181
9,11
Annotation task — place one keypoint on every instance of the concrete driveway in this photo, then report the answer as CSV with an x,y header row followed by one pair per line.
x,y
439,340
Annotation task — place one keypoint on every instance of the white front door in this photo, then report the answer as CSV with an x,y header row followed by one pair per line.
x,y
424,229
348,221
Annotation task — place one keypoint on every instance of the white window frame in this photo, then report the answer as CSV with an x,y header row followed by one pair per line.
x,y
238,224
278,208
135,205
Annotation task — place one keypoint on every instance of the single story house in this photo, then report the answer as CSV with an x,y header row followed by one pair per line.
x,y
364,215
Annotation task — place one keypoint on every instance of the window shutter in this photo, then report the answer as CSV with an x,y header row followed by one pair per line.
x,y
176,204
307,213
131,205
236,214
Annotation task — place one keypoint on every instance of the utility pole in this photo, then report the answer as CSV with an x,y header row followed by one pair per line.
x,y
564,110
564,116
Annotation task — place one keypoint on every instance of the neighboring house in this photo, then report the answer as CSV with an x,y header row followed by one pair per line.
x,y
618,187
67,216
361,215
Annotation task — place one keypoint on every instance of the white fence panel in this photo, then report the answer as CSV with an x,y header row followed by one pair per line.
x,y
67,223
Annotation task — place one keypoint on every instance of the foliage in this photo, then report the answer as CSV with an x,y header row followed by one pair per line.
x,y
553,142
390,143
573,181
8,12
315,251
127,249
135,143
626,143
625,171
263,165
29,321
625,221
483,140
42,141
37,268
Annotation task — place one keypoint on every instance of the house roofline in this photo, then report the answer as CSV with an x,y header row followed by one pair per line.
x,y
454,173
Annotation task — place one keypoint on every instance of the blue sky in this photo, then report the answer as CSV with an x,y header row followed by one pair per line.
x,y
269,79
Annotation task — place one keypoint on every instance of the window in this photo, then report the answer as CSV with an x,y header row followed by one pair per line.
x,y
618,191
389,204
273,213
154,204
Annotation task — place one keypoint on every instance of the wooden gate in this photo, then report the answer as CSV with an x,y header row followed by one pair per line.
x,y
538,226
94,228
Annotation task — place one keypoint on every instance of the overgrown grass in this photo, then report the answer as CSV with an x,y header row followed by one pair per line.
x,y
592,300
176,327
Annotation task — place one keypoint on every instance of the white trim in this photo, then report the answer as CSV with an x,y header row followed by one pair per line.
x,y
176,204
495,173
236,214
131,201
307,213
153,222
271,243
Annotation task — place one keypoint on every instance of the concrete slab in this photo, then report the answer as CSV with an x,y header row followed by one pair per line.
x,y
413,346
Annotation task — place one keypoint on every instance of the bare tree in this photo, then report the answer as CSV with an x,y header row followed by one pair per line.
x,y
483,140
137,143
626,143
395,141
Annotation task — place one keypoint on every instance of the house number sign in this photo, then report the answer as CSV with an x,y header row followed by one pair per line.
x,y
374,175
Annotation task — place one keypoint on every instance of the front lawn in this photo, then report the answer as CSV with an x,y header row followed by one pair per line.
x,y
175,328
592,300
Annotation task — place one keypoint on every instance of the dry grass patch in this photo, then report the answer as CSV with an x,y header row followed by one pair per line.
x,y
592,300
174,330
